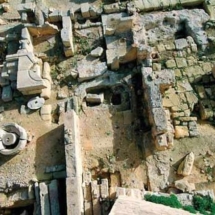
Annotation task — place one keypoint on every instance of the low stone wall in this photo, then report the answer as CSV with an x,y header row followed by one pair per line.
x,y
73,164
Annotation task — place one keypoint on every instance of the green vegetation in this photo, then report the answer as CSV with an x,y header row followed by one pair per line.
x,y
83,46
204,205
189,208
171,201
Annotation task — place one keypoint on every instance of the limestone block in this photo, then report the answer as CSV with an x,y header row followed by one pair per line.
x,y
90,71
184,185
201,91
161,142
160,122
183,86
206,111
161,47
55,16
104,188
95,98
129,205
207,67
181,44
114,183
153,96
170,64
156,66
85,10
193,130
7,94
66,32
97,52
111,8
181,131
69,52
186,165
46,71
45,112
120,191
95,190
165,79
45,29
46,92
26,7
54,197
169,46
187,119
181,62
39,18
73,195
44,199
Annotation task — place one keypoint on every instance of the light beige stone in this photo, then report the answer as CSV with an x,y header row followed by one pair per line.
x,y
185,168
184,185
181,132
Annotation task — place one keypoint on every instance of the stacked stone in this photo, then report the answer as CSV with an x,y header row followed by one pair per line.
x,y
159,119
90,11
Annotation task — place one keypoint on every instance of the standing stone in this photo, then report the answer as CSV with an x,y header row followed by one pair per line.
x,y
37,195
54,197
44,199
186,165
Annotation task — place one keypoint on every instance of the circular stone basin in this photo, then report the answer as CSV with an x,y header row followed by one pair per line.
x,y
13,139
9,139
35,103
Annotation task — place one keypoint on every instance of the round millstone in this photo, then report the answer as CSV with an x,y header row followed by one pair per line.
x,y
36,103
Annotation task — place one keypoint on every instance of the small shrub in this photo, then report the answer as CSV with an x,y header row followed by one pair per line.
x,y
171,201
203,204
189,208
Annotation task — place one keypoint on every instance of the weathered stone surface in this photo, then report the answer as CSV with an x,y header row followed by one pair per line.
x,y
85,10
104,188
44,199
67,36
184,185
90,71
186,165
160,122
181,44
97,52
54,197
45,112
181,131
95,98
7,94
125,204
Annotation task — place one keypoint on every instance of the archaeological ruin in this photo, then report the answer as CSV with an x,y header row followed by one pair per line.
x,y
106,105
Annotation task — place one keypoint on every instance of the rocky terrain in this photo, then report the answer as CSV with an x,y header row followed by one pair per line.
x,y
103,102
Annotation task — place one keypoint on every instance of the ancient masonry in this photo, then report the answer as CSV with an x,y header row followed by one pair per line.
x,y
133,78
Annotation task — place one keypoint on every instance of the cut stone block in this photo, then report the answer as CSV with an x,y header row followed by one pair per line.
x,y
45,112
181,44
54,197
85,10
7,93
181,131
95,98
44,199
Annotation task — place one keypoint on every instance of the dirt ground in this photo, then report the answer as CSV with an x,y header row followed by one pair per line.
x,y
45,149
